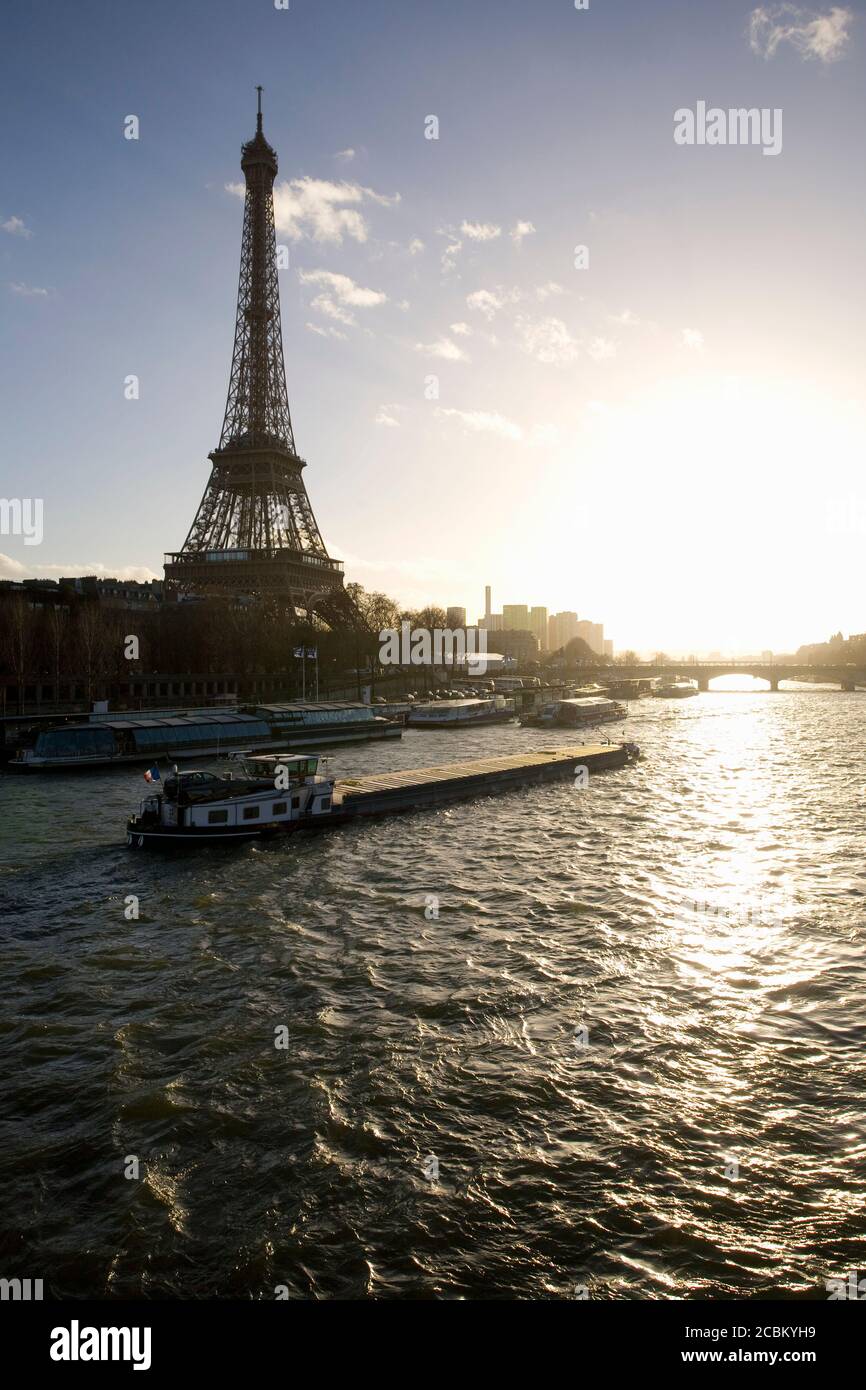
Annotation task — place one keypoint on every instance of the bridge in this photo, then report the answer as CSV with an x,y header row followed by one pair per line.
x,y
846,677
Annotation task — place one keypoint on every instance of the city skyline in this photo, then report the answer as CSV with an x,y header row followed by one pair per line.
x,y
649,422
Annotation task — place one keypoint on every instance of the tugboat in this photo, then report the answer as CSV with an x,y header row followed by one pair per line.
x,y
274,792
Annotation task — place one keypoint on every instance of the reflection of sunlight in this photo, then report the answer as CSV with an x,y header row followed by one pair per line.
x,y
738,683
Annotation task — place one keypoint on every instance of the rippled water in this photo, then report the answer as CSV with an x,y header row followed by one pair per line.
x,y
628,991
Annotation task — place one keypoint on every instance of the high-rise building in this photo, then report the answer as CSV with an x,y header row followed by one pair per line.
x,y
454,618
607,648
538,626
592,634
515,617
487,600
561,628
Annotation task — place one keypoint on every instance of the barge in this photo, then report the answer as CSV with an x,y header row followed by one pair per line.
x,y
278,793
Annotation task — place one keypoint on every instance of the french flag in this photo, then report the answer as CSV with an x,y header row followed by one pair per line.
x,y
152,774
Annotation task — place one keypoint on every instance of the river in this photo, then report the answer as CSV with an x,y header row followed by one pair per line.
x,y
565,1042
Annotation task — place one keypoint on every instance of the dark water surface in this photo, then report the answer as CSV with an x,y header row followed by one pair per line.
x,y
632,1042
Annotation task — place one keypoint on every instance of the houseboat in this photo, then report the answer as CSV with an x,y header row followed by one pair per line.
x,y
284,792
574,714
198,733
461,714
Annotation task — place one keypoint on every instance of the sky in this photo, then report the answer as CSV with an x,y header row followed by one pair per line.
x,y
663,432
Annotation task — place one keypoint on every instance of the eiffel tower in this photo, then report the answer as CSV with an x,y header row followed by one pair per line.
x,y
254,532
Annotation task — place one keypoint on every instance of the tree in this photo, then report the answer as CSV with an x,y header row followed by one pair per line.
x,y
578,652
19,631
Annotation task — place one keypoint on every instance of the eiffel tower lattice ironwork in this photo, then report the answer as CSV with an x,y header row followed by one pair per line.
x,y
254,531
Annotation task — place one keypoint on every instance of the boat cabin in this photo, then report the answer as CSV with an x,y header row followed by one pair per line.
x,y
268,790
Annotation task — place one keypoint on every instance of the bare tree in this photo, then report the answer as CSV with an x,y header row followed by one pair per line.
x,y
19,633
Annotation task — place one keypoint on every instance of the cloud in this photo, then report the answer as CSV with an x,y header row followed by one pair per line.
x,y
385,416
315,208
324,304
491,422
547,340
451,252
343,289
488,302
340,295
462,329
345,156
627,318
484,422
15,227
444,348
327,332
600,349
29,291
480,231
546,291
415,246
693,339
13,569
521,230
812,34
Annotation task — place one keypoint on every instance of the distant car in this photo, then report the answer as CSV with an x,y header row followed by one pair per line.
x,y
411,695
380,700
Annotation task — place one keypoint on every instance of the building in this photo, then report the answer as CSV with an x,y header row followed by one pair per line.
x,y
455,617
515,617
592,634
561,628
521,645
538,626
607,648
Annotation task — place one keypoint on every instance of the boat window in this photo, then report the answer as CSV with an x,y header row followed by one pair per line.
x,y
72,742
326,803
217,817
252,812
296,801
279,808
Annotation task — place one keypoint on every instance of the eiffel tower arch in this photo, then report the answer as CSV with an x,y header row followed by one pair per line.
x,y
254,532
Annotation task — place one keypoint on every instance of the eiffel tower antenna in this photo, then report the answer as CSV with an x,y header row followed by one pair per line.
x,y
254,532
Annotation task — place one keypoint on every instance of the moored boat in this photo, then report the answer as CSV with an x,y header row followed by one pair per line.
x,y
461,714
677,689
574,714
202,733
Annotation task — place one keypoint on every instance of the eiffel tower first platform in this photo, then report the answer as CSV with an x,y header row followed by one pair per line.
x,y
254,532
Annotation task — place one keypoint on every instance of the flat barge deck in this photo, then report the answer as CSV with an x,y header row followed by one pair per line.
x,y
413,790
